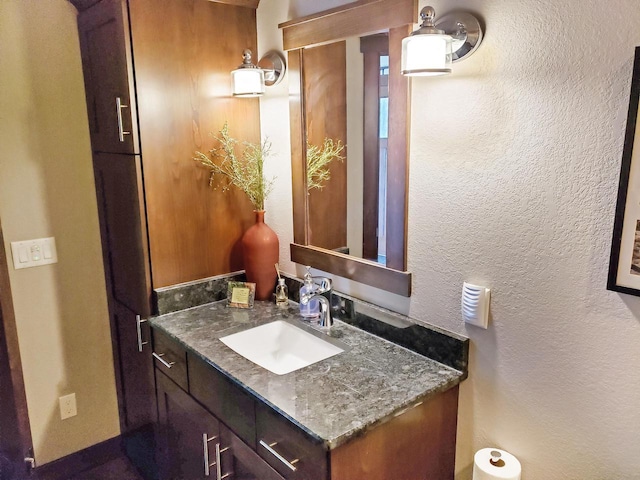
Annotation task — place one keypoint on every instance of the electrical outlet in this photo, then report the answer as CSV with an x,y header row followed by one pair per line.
x,y
68,406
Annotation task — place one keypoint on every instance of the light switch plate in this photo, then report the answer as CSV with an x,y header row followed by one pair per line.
x,y
34,253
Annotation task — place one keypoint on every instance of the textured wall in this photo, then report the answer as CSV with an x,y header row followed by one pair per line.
x,y
514,173
46,189
515,160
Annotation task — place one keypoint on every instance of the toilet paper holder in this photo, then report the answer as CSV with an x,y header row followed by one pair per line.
x,y
495,464
496,459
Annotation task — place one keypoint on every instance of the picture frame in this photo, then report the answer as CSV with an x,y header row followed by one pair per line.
x,y
624,264
240,294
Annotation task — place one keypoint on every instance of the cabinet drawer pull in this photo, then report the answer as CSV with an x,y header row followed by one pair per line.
x,y
141,344
219,474
159,356
205,450
119,107
289,464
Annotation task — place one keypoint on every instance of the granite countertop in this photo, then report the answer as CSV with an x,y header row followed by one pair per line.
x,y
332,400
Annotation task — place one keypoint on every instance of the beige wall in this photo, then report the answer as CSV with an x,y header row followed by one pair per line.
x,y
274,125
46,189
514,171
355,149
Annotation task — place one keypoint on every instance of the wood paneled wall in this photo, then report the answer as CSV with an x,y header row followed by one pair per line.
x,y
183,55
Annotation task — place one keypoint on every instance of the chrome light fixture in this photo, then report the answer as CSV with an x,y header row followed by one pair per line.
x,y
249,80
432,48
273,65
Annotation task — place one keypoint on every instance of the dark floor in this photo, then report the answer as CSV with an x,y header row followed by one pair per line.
x,y
117,469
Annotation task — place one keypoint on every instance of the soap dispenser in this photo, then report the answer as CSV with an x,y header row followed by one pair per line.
x,y
312,308
282,294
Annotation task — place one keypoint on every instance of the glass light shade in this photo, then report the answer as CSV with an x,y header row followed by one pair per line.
x,y
248,82
426,54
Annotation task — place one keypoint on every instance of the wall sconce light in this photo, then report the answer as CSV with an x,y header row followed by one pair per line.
x,y
249,80
432,48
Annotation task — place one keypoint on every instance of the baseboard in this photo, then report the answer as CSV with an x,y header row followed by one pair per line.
x,y
77,462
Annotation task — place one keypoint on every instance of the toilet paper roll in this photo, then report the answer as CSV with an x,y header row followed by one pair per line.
x,y
495,464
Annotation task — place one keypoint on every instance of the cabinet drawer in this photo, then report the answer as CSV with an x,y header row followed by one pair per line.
x,y
225,400
170,358
289,450
243,461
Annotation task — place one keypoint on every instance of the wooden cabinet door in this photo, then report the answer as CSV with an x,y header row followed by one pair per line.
x,y
188,434
131,337
108,76
123,230
241,462
226,400
136,368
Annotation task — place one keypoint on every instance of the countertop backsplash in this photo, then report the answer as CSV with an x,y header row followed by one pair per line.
x,y
416,335
191,294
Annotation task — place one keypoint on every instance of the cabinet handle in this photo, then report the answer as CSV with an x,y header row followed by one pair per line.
x,y
119,107
205,451
139,331
289,464
219,463
159,356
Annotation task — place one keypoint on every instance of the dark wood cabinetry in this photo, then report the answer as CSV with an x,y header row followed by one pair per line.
x,y
131,336
170,359
123,230
284,446
157,82
127,271
189,434
108,72
223,399
134,340
255,441
194,443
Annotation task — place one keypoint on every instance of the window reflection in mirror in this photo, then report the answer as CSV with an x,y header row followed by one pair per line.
x,y
383,135
346,88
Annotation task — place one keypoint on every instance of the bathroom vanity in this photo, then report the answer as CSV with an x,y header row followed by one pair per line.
x,y
375,410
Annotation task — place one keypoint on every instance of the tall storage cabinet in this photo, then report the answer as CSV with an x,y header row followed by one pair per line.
x,y
157,79
107,67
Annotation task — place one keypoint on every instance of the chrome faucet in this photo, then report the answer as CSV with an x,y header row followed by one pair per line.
x,y
323,286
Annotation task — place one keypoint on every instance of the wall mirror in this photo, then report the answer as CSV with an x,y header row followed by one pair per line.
x,y
345,85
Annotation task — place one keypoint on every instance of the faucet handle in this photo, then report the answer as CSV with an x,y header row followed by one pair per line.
x,y
324,284
326,321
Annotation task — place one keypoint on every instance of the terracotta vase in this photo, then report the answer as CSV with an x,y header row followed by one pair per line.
x,y
261,250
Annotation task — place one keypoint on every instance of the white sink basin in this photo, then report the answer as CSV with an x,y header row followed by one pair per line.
x,y
280,347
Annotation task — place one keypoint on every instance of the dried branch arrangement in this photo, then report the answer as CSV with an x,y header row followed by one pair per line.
x,y
245,173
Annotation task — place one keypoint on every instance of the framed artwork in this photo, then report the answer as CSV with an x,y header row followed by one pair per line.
x,y
624,265
241,294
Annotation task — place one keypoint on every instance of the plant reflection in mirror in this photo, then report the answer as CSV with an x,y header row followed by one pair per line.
x,y
318,160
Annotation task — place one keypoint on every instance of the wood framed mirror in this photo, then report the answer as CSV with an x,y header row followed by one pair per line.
x,y
345,85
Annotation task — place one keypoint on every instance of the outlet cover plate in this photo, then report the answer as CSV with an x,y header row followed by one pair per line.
x,y
68,406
